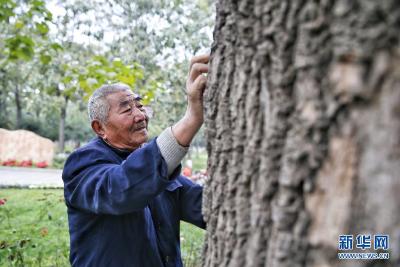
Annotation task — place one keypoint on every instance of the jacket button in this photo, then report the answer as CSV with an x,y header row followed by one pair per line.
x,y
167,259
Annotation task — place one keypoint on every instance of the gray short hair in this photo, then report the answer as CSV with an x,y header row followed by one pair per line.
x,y
98,106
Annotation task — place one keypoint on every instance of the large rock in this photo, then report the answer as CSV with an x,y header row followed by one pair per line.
x,y
25,145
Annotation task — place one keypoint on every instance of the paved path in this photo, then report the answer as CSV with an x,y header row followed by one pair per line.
x,y
30,177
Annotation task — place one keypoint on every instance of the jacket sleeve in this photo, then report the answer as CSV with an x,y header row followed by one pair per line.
x,y
92,182
191,202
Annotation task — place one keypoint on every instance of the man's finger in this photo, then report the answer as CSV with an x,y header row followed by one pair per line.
x,y
199,59
196,70
200,82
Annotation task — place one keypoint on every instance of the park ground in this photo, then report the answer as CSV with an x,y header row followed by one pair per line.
x,y
34,230
34,225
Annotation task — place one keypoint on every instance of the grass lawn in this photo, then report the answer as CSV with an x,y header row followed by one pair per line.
x,y
34,230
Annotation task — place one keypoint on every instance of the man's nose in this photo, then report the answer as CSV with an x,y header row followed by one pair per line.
x,y
138,115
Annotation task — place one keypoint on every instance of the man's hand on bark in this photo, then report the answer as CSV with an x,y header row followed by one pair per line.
x,y
188,126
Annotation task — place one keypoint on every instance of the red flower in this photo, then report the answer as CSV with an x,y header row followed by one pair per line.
x,y
3,201
10,162
42,164
26,163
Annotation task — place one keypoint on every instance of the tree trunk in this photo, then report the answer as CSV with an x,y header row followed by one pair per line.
x,y
61,131
303,130
18,108
3,105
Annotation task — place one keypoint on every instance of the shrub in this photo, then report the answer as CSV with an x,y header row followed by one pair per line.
x,y
59,160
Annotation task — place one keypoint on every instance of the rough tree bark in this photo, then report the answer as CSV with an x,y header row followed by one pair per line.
x,y
303,130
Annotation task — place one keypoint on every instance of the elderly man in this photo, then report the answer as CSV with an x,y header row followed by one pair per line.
x,y
126,198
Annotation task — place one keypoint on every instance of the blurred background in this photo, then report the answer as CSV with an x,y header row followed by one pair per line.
x,y
53,55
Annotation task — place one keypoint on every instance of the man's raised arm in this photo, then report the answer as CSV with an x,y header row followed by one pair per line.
x,y
173,141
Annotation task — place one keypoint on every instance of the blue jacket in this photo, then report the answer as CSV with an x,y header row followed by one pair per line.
x,y
123,210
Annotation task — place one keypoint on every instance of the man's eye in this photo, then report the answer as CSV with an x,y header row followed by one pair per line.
x,y
128,110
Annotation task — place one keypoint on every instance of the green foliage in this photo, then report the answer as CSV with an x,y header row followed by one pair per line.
x,y
97,71
44,120
45,126
20,47
162,36
23,21
34,230
6,9
77,126
145,44
59,161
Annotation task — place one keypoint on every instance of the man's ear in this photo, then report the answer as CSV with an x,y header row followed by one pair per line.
x,y
98,128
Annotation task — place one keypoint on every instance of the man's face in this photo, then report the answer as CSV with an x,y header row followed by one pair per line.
x,y
126,126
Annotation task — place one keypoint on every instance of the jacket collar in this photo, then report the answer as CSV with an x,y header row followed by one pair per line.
x,y
123,153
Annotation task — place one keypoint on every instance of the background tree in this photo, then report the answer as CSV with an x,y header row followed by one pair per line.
x,y
150,42
161,36
303,126
24,29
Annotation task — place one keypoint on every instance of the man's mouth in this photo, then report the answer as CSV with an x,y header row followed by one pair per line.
x,y
140,127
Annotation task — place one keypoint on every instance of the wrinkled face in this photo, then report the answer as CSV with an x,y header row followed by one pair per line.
x,y
126,126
